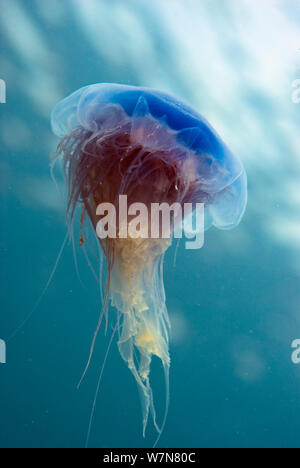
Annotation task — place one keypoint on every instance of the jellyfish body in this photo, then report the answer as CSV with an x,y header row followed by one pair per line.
x,y
126,140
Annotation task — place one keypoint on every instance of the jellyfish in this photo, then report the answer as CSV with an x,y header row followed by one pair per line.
x,y
118,140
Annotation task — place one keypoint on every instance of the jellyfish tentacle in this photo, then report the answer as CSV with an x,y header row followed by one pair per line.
x,y
75,258
137,292
102,314
166,367
53,161
38,302
99,383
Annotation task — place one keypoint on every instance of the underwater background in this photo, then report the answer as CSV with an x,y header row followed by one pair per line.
x,y
234,304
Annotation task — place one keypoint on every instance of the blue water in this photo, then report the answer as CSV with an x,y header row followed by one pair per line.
x,y
234,305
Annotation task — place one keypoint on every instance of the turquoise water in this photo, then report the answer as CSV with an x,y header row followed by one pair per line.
x,y
234,305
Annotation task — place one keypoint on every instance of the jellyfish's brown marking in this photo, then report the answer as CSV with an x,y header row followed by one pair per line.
x,y
82,213
83,210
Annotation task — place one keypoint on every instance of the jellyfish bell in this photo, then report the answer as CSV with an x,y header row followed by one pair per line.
x,y
119,140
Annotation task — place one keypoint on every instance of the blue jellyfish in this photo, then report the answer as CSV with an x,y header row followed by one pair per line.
x,y
118,140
